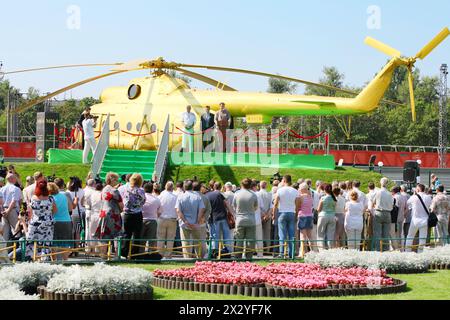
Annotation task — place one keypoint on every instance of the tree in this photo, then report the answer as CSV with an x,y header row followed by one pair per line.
x,y
69,112
281,86
332,77
277,85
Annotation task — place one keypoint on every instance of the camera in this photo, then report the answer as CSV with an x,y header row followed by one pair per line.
x,y
3,171
51,178
98,180
276,176
76,183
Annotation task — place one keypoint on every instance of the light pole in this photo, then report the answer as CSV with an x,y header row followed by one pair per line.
x,y
2,74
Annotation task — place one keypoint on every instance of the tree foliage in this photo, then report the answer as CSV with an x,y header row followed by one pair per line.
x,y
69,110
281,86
391,125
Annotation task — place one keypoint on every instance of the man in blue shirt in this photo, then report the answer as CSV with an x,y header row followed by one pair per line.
x,y
191,212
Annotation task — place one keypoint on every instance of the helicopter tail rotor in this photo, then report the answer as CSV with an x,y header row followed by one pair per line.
x,y
410,62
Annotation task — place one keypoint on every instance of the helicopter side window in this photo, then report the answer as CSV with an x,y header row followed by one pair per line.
x,y
138,126
129,126
134,91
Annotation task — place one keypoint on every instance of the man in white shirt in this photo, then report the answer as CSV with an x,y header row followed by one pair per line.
x,y
259,244
89,137
285,203
167,221
419,217
266,215
383,203
188,119
12,197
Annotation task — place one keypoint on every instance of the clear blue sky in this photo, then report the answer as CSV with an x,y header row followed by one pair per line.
x,y
295,38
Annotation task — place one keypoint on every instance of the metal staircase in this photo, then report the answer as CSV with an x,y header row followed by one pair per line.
x,y
151,164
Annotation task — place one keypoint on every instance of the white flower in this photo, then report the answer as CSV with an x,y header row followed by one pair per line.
x,y
30,275
101,279
392,261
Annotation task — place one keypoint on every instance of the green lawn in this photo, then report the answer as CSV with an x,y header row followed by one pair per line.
x,y
60,170
434,285
206,173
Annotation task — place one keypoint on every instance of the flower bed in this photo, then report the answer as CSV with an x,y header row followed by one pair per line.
x,y
438,258
100,282
392,262
283,279
20,282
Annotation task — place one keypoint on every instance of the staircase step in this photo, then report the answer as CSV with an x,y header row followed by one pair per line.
x,y
130,152
129,161
115,162
130,157
129,169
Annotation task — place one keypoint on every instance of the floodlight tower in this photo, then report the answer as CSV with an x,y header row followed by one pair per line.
x,y
2,74
443,118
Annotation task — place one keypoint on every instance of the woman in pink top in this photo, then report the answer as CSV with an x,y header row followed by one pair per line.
x,y
304,206
150,211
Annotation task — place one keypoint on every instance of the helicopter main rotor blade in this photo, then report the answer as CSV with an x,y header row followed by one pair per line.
x,y
38,100
433,43
270,75
206,79
380,46
63,67
131,65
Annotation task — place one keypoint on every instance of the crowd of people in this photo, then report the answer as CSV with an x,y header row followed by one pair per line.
x,y
211,220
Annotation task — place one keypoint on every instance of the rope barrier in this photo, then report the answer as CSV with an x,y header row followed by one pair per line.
x,y
195,133
298,136
137,134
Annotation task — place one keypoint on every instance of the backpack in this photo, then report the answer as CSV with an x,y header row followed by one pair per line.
x,y
394,213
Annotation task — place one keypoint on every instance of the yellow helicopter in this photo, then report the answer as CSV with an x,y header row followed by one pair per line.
x,y
139,110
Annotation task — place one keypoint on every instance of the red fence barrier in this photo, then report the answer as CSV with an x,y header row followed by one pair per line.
x,y
359,157
19,149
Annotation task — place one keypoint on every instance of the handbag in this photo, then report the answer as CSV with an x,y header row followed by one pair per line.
x,y
394,213
82,230
231,220
432,218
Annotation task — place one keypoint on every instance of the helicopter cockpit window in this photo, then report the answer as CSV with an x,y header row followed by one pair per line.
x,y
134,91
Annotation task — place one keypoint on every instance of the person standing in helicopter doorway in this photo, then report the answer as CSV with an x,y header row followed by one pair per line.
x,y
79,124
89,124
223,120
188,119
